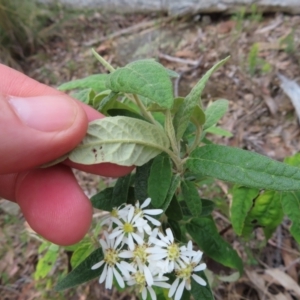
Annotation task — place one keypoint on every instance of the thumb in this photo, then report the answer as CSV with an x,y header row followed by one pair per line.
x,y
36,130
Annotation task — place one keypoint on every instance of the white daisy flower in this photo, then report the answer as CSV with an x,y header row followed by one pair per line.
x,y
141,280
117,212
139,258
147,213
128,228
110,261
184,272
167,250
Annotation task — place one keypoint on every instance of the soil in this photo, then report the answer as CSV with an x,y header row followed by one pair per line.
x,y
260,117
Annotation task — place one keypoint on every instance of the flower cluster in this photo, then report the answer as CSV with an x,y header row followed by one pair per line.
x,y
137,254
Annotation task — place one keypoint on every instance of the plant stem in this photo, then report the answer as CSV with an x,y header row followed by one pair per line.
x,y
105,63
143,109
169,128
177,161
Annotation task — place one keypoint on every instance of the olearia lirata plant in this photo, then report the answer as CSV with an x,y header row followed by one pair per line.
x,y
158,227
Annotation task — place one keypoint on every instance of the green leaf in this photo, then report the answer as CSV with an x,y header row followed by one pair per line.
x,y
99,97
46,263
244,168
113,112
242,201
83,272
293,160
201,292
95,82
81,253
207,207
219,131
172,73
85,96
141,181
159,180
121,140
175,181
120,191
146,78
215,112
191,196
174,211
186,109
103,200
107,102
205,234
266,213
198,116
290,202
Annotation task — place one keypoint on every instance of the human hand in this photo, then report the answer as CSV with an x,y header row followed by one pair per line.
x,y
39,124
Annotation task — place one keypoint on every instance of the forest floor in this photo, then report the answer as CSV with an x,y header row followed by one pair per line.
x,y
260,117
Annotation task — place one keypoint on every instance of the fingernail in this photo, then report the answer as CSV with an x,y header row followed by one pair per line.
x,y
45,113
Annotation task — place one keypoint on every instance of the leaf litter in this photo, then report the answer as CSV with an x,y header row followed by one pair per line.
x,y
261,118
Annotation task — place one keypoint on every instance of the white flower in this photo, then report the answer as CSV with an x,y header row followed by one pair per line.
x,y
141,280
111,260
147,212
140,258
117,212
184,272
165,248
127,229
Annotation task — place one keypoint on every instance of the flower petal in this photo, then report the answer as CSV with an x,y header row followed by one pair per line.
x,y
201,267
103,275
119,278
97,265
126,254
146,203
170,235
152,220
109,278
130,242
173,287
153,212
148,276
199,280
152,293
179,290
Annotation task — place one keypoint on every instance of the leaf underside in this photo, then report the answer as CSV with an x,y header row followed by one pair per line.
x,y
122,140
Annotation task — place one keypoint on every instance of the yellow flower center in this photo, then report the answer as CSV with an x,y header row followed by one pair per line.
x,y
128,228
139,252
137,211
173,252
185,273
114,212
140,280
111,257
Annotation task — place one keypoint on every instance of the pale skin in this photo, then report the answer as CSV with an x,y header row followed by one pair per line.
x,y
39,124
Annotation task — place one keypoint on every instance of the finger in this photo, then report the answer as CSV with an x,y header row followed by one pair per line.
x,y
54,205
36,130
18,85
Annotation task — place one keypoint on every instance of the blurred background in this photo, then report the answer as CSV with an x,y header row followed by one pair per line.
x,y
51,42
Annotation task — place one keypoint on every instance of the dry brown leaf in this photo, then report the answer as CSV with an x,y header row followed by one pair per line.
x,y
226,27
284,279
281,296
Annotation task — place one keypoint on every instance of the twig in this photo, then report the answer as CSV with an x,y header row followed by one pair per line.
x,y
272,243
177,59
176,83
129,30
